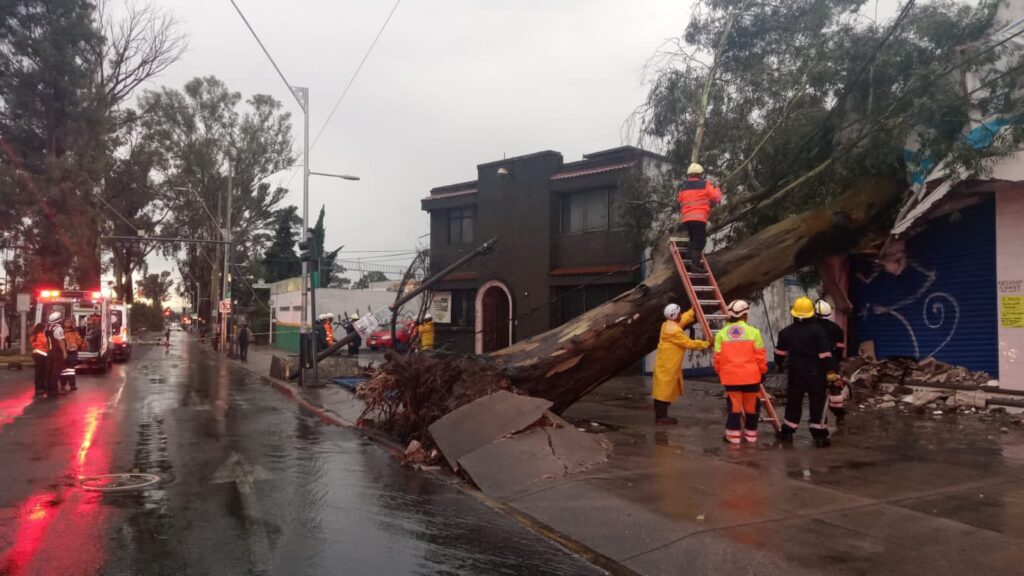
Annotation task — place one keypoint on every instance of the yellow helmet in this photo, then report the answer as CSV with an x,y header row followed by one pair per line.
x,y
803,307
695,169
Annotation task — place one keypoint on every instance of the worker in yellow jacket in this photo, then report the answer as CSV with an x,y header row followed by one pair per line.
x,y
668,366
425,330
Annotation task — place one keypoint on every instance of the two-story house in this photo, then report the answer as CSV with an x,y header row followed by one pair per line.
x,y
561,248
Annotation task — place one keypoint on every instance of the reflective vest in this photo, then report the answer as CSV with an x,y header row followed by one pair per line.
x,y
740,358
696,196
39,345
330,332
73,340
426,332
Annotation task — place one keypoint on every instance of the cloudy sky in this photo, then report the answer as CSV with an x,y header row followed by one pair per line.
x,y
451,84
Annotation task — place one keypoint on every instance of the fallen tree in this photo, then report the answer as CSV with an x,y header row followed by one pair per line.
x,y
566,363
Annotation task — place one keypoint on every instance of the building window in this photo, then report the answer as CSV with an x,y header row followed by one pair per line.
x,y
463,309
585,212
575,300
460,226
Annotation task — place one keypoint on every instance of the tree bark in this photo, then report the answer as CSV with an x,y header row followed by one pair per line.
x,y
564,364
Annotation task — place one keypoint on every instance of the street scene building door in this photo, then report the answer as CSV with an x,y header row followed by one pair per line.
x,y
495,313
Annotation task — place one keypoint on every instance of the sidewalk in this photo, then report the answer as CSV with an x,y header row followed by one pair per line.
x,y
895,494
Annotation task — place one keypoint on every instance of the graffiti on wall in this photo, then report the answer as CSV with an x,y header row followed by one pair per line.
x,y
939,310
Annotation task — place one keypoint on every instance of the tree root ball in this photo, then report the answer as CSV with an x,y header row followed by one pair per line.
x,y
412,391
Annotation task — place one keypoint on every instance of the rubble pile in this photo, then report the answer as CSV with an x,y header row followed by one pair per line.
x,y
409,392
926,387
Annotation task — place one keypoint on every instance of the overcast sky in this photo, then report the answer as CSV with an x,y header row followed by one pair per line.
x,y
451,84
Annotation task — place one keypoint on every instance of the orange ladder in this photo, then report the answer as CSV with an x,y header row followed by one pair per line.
x,y
708,304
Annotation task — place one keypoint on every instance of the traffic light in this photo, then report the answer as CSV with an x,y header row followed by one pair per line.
x,y
307,248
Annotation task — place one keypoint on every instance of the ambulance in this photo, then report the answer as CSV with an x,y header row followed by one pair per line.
x,y
92,315
120,337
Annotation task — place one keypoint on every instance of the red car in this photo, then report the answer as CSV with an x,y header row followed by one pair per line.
x,y
382,338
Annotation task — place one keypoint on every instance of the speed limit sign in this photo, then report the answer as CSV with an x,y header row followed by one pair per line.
x,y
225,306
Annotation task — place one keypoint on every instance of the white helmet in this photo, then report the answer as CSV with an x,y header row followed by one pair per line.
x,y
330,315
672,311
694,169
428,316
738,308
822,309
354,317
55,316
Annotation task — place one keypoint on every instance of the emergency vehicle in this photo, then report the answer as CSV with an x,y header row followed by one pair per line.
x,y
91,313
120,337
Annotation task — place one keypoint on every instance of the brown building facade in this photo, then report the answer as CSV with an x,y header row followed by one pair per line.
x,y
561,248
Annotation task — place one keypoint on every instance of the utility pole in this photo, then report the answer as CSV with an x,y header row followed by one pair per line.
x,y
226,288
302,95
214,273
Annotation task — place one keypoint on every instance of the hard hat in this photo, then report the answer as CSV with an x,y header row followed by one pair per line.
x,y
672,311
695,169
330,315
354,317
428,316
802,308
55,316
738,308
822,308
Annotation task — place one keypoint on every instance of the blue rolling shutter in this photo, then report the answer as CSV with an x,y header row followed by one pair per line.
x,y
944,302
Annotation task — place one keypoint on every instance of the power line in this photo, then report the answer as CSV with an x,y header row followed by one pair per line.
x,y
356,73
269,57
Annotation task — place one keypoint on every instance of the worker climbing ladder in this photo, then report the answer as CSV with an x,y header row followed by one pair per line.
x,y
708,304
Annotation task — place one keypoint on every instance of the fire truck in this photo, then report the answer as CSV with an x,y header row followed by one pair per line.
x,y
91,313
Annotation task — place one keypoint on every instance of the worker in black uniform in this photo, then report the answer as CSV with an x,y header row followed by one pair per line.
x,y
805,350
838,392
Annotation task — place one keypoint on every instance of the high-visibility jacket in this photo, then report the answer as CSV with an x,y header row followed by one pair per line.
x,y
668,365
740,358
426,332
696,196
39,344
73,340
330,332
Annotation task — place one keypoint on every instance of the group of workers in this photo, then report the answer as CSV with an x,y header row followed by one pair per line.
x,y
422,333
809,349
55,347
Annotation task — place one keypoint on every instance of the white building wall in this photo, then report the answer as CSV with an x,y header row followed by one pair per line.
x,y
1010,277
288,305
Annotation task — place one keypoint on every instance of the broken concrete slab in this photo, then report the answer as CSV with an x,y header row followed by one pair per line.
x,y
483,421
519,463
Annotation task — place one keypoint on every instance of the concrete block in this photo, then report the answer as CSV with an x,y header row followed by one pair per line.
x,y
282,366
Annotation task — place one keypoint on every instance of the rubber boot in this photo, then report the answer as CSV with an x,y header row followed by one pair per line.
x,y
821,439
785,434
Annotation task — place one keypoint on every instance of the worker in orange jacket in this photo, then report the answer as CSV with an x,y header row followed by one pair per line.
x,y
696,197
329,328
40,347
741,363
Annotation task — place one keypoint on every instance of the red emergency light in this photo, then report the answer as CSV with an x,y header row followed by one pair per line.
x,y
96,295
49,293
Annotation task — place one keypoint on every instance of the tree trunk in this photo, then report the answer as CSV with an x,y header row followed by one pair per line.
x,y
566,363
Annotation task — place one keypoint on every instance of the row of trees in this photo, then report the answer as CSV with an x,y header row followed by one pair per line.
x,y
86,152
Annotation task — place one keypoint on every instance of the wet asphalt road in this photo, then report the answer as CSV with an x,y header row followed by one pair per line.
x,y
249,485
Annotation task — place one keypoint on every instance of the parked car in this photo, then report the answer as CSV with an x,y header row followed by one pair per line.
x,y
382,338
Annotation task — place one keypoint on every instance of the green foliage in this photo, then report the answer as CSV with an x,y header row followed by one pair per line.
x,y
807,97
328,272
367,278
146,317
280,260
157,287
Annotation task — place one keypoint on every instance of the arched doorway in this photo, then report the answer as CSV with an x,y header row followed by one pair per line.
x,y
493,317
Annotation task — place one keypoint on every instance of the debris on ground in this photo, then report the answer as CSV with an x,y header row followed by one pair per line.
x,y
927,387
409,392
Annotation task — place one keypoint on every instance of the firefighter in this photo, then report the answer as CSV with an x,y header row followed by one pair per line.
x,y
696,197
741,362
38,340
329,328
838,392
73,340
56,352
357,340
805,350
425,330
668,366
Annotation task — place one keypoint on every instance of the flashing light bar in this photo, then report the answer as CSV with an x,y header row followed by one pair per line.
x,y
93,295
